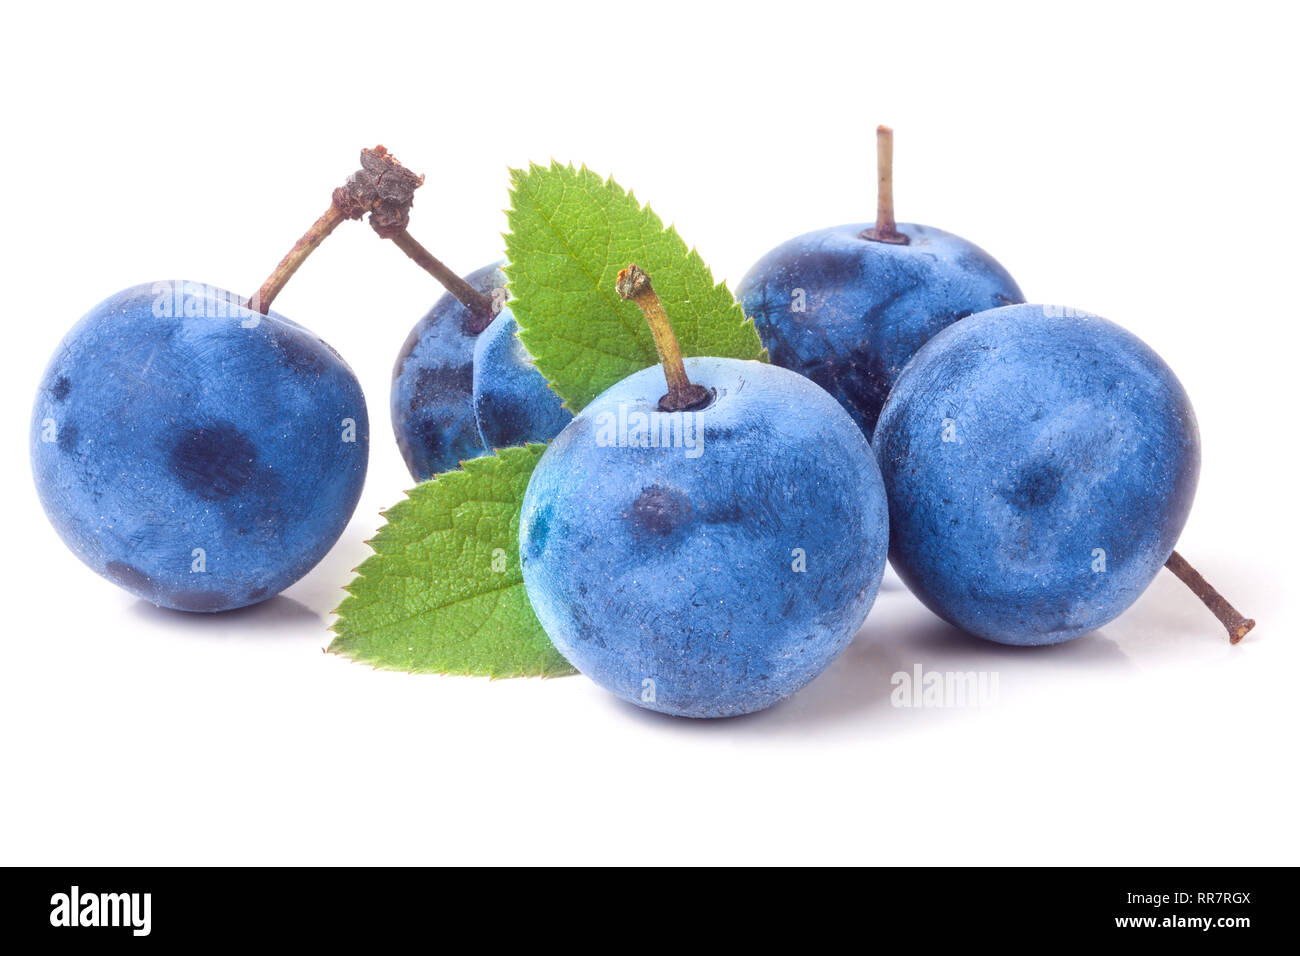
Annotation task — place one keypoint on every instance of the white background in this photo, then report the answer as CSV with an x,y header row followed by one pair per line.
x,y
1137,161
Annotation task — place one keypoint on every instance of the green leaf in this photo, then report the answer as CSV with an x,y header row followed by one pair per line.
x,y
570,234
443,591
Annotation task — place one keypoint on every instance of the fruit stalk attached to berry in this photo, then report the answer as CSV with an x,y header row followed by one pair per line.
x,y
385,188
1236,623
463,384
483,308
634,285
330,220
885,229
849,306
382,187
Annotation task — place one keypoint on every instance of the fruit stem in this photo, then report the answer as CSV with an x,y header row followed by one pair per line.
x,y
1237,625
885,229
482,307
313,237
683,395
385,189
382,187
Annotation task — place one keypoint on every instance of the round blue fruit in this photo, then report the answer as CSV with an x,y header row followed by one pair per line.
x,y
849,312
199,455
513,403
445,408
710,563
432,399
1041,464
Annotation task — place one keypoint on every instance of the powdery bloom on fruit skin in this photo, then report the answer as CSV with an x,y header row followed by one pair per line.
x,y
645,564
1059,484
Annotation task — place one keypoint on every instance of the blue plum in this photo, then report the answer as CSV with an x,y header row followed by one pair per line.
x,y
705,563
432,399
513,404
199,455
1040,463
849,311
444,410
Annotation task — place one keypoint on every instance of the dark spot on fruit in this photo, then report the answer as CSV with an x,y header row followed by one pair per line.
x,y
1036,486
830,267
60,389
735,511
753,432
586,630
130,577
430,434
759,305
213,461
508,420
866,377
539,528
257,594
658,511
298,352
199,600
67,437
432,383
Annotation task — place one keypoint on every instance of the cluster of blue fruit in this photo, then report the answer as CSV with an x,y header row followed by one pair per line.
x,y
1027,469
